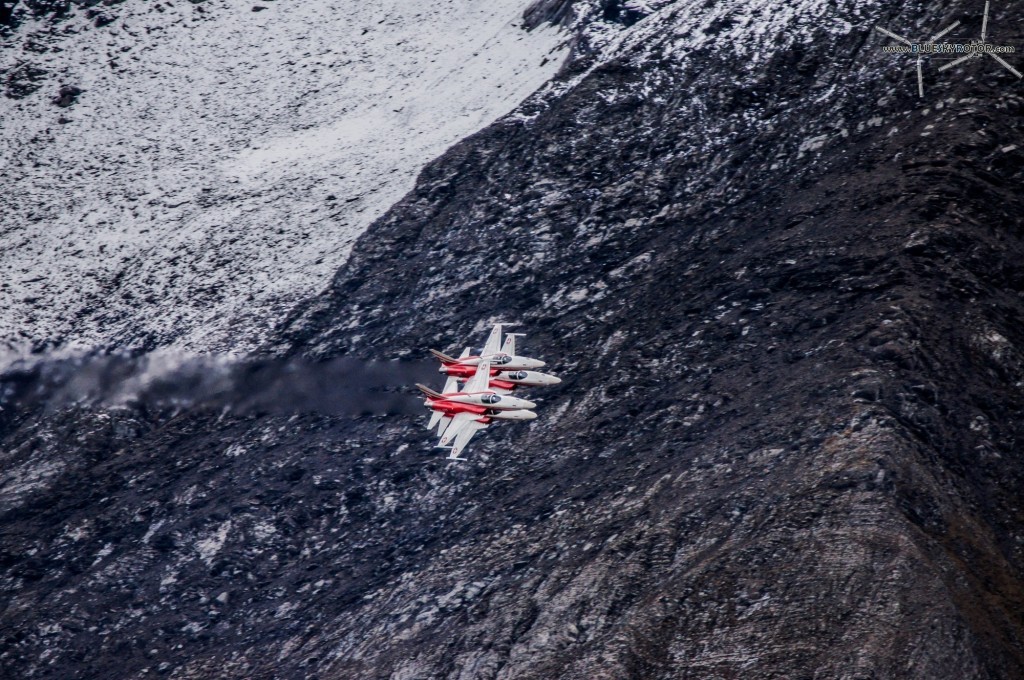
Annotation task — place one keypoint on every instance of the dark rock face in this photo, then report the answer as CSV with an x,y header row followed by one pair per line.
x,y
622,12
67,96
786,303
6,11
48,7
23,80
548,12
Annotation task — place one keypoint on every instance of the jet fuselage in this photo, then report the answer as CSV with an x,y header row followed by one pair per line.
x,y
500,362
509,378
449,408
490,400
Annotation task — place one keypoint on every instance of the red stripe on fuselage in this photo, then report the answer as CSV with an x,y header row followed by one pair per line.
x,y
463,371
453,407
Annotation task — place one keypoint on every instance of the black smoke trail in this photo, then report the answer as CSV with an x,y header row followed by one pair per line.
x,y
162,382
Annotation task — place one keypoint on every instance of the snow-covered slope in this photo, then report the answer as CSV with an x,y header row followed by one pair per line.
x,y
222,159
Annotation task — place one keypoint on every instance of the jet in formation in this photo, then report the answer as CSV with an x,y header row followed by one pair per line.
x,y
489,378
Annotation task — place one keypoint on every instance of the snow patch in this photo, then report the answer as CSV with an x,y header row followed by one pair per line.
x,y
219,164
211,545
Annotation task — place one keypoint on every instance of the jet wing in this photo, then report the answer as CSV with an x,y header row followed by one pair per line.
x,y
465,434
458,422
443,423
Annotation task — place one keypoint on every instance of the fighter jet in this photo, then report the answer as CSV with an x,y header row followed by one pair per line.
x,y
502,382
501,357
460,414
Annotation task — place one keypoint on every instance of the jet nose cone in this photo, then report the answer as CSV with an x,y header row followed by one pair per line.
x,y
528,404
555,380
537,363
529,415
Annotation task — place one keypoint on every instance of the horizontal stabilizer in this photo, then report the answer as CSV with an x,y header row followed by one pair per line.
x,y
445,359
429,392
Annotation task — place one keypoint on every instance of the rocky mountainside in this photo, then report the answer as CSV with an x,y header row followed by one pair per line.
x,y
784,294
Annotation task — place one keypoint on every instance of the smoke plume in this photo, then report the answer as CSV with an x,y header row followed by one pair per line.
x,y
160,382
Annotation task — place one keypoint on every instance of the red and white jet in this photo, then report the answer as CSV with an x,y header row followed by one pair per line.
x,y
460,414
502,382
502,358
503,378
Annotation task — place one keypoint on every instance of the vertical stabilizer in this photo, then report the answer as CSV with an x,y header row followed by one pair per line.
x,y
493,344
509,347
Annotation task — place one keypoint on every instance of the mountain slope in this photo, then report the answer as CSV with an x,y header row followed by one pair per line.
x,y
785,299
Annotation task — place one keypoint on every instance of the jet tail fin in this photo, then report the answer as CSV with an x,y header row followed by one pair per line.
x,y
493,341
480,379
509,347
